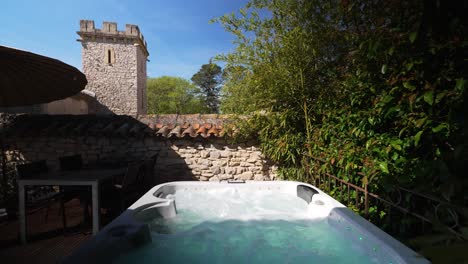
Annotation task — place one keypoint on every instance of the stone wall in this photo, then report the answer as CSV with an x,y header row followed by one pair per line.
x,y
216,161
115,85
141,83
179,159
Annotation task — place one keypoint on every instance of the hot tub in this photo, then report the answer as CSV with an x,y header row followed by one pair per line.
x,y
241,222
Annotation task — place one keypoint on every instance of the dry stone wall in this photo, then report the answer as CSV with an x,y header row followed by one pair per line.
x,y
179,159
214,161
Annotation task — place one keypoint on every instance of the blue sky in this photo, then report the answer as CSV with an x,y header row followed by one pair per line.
x,y
179,37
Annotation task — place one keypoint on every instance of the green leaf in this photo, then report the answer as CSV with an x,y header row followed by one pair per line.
x,y
369,143
412,36
409,86
383,167
391,110
417,137
439,127
401,131
440,96
460,85
382,214
420,122
242,11
409,66
395,144
387,98
429,97
438,153
365,180
384,69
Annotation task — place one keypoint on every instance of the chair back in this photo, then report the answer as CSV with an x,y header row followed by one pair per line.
x,y
133,175
31,169
149,169
71,163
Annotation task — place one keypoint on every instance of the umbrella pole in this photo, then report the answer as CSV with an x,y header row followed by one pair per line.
x,y
4,174
4,179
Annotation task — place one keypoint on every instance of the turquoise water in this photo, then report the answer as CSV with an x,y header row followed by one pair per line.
x,y
244,228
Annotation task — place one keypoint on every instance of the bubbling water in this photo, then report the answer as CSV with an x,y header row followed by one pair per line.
x,y
227,226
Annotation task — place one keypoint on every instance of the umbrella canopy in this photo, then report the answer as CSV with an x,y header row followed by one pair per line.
x,y
27,78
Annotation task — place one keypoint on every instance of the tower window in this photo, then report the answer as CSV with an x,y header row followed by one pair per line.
x,y
109,56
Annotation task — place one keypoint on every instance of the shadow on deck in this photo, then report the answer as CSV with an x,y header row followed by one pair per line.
x,y
47,242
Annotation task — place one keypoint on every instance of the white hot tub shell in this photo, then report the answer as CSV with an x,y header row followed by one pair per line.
x,y
129,230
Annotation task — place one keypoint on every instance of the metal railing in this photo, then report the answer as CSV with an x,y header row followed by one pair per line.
x,y
346,191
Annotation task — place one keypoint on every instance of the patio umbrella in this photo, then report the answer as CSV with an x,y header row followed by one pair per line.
x,y
27,78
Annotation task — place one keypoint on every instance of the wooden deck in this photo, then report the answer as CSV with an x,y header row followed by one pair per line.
x,y
51,250
47,242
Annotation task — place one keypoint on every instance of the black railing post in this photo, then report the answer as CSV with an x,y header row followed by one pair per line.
x,y
357,198
341,191
349,197
366,201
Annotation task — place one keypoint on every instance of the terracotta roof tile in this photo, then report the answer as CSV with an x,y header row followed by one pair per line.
x,y
166,126
163,131
202,131
213,131
175,132
185,125
190,131
192,125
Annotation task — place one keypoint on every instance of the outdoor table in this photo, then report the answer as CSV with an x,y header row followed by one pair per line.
x,y
85,177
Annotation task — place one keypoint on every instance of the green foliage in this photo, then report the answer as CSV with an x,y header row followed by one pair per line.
x,y
209,79
169,95
234,91
376,89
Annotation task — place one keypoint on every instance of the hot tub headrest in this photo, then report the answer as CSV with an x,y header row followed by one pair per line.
x,y
306,193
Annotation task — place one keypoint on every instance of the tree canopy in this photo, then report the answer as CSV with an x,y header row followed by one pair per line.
x,y
209,79
169,95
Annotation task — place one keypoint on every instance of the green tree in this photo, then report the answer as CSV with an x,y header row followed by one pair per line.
x,y
209,79
234,92
283,64
170,95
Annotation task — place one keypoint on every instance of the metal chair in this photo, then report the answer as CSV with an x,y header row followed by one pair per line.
x,y
126,189
148,180
83,193
40,197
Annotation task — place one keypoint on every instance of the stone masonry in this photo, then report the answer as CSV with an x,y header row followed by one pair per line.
x,y
114,63
179,159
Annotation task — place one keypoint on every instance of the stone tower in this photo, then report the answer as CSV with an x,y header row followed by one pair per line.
x,y
115,65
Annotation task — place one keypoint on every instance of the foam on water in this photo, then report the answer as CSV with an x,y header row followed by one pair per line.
x,y
225,226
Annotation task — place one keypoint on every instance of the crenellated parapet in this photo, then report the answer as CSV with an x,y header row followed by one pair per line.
x,y
110,32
